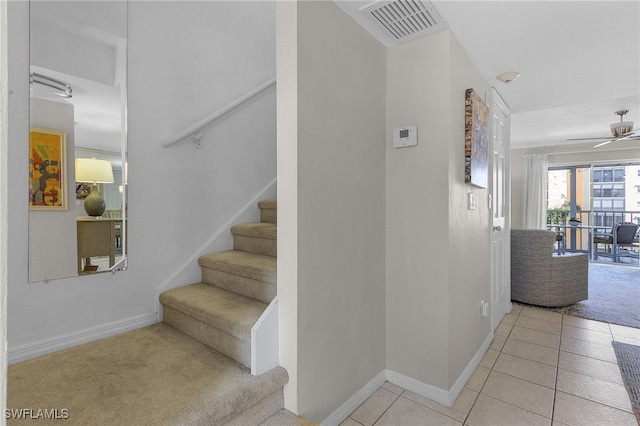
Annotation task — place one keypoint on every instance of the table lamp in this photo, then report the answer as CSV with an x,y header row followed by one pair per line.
x,y
94,171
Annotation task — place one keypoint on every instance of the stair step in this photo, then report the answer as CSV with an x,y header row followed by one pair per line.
x,y
218,318
177,380
268,210
249,265
258,238
248,287
264,230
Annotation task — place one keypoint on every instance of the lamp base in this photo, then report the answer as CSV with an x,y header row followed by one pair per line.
x,y
94,203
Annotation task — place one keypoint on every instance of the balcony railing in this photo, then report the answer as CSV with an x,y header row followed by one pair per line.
x,y
595,218
578,237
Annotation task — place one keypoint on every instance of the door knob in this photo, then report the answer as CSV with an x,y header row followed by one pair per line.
x,y
497,228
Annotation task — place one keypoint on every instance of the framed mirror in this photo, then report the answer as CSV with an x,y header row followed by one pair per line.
x,y
78,141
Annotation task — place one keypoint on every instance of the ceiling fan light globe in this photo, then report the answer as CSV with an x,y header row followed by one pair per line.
x,y
620,128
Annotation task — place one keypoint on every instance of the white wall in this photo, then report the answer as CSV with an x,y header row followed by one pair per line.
x,y
469,230
565,155
4,142
415,313
185,61
98,60
339,240
287,94
437,250
417,206
52,234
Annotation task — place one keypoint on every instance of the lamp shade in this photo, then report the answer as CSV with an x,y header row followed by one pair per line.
x,y
92,170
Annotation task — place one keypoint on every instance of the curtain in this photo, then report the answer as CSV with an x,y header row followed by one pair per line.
x,y
534,190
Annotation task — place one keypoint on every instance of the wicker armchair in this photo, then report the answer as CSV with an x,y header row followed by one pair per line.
x,y
540,278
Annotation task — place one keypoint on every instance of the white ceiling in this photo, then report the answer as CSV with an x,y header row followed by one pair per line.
x,y
579,62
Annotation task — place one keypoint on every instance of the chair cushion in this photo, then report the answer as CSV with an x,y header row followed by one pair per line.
x,y
603,239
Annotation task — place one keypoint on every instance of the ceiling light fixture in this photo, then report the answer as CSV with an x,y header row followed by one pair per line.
x,y
620,128
508,77
58,87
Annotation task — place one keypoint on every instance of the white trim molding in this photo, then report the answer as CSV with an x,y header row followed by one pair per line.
x,y
468,371
433,393
58,343
264,340
354,402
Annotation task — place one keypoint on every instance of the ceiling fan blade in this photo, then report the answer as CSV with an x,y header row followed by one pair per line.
x,y
605,143
630,136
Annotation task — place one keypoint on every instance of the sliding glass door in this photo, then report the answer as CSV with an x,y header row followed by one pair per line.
x,y
616,194
569,205
584,200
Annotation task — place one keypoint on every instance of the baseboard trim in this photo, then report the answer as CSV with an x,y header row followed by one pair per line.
x,y
166,284
354,402
55,344
433,393
468,371
423,389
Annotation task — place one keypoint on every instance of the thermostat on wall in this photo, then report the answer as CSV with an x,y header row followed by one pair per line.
x,y
405,136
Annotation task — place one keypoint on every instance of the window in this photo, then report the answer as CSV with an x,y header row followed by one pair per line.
x,y
595,194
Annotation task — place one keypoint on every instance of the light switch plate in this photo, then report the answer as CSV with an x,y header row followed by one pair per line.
x,y
472,201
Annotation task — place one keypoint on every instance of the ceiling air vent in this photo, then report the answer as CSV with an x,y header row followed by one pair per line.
x,y
404,20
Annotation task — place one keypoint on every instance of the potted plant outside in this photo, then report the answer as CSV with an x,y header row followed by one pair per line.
x,y
573,221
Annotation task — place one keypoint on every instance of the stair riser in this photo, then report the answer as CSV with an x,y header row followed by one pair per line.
x,y
268,275
224,343
260,411
268,216
265,292
255,245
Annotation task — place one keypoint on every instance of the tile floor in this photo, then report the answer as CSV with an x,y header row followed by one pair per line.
x,y
542,368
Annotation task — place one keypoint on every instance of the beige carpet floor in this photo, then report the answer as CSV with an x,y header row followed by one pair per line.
x,y
151,376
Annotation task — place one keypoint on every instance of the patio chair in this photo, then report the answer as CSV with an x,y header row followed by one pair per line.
x,y
621,241
538,277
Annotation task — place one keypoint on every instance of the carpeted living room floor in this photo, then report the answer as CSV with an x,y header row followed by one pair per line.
x,y
614,296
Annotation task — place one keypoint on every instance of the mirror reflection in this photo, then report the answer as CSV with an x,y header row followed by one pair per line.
x,y
77,147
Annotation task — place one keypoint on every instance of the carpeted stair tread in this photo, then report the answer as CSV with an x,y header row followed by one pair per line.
x,y
226,311
250,265
268,204
155,375
259,238
257,230
268,210
242,285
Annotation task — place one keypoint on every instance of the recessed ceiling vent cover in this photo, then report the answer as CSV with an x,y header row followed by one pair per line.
x,y
404,19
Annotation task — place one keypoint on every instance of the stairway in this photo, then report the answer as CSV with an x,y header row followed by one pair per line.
x,y
237,285
193,369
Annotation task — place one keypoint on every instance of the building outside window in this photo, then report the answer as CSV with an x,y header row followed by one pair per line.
x,y
599,196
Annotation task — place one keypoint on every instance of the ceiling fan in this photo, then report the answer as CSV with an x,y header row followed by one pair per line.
x,y
621,130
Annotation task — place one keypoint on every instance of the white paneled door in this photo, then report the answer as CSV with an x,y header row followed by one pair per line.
x,y
500,203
